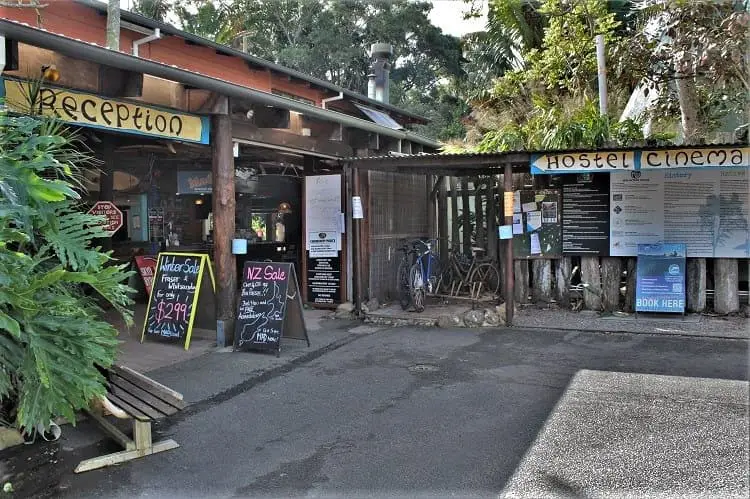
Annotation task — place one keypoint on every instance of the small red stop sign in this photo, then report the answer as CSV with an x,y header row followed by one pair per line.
x,y
111,212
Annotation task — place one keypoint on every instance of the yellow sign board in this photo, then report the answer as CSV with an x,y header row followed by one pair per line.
x,y
90,110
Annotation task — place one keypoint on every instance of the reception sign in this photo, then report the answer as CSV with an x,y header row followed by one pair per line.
x,y
660,278
89,110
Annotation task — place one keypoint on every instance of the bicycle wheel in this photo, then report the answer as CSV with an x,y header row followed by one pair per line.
x,y
488,276
416,282
402,284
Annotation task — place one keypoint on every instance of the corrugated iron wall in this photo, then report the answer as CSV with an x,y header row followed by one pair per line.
x,y
398,210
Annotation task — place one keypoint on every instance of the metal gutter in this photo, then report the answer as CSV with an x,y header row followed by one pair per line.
x,y
100,55
171,30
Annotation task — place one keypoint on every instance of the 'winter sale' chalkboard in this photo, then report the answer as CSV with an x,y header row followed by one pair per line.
x,y
269,307
173,301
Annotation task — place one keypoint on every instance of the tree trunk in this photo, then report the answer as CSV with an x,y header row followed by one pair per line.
x,y
726,286
592,280
695,284
563,269
688,99
479,215
611,277
113,24
541,271
630,284
455,240
465,215
521,283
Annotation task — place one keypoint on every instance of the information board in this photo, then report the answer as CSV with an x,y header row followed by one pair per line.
x,y
324,280
173,301
270,306
585,214
660,278
707,210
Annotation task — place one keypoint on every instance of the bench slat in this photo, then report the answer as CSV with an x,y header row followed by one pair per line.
x,y
125,406
136,403
157,389
151,399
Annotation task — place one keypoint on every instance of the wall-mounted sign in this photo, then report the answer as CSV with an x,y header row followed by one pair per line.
x,y
111,212
708,210
194,182
323,244
618,161
89,110
585,215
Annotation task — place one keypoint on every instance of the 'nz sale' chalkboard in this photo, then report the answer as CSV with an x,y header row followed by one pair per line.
x,y
269,307
174,297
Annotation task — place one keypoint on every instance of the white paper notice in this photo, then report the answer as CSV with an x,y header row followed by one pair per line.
x,y
323,244
532,206
357,211
517,223
533,220
517,202
322,204
536,248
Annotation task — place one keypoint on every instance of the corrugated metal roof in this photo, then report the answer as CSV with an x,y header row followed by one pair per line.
x,y
507,154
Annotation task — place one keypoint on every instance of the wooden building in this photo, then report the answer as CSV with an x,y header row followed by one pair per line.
x,y
201,144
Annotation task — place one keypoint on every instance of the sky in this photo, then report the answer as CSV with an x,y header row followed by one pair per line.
x,y
448,15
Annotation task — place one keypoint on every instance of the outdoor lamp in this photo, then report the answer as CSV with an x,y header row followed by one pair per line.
x,y
50,73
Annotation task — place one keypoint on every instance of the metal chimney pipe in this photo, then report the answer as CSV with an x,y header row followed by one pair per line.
x,y
378,79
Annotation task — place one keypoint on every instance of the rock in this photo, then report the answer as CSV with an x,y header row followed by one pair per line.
x,y
345,307
474,318
491,318
9,437
372,304
449,321
746,311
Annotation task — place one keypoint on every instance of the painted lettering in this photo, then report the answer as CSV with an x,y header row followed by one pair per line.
x,y
584,160
175,125
598,160
677,158
718,154
137,115
568,161
736,157
105,111
161,123
272,274
86,106
651,158
123,113
611,160
70,106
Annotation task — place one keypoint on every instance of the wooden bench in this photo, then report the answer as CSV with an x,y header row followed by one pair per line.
x,y
132,395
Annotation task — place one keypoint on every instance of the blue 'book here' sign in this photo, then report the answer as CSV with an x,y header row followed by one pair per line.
x,y
660,278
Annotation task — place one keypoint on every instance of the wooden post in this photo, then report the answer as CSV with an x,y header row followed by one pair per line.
x,y
630,284
466,212
541,271
592,279
443,219
107,180
455,240
726,285
695,284
611,277
509,302
357,248
479,214
224,213
431,226
563,269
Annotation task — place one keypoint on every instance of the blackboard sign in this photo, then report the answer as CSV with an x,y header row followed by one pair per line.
x,y
174,298
585,214
324,280
660,278
269,307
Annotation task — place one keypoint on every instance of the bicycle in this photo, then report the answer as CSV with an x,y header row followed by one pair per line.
x,y
476,274
423,277
402,276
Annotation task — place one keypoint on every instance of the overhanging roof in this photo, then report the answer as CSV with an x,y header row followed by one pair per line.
x,y
456,165
257,61
89,51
